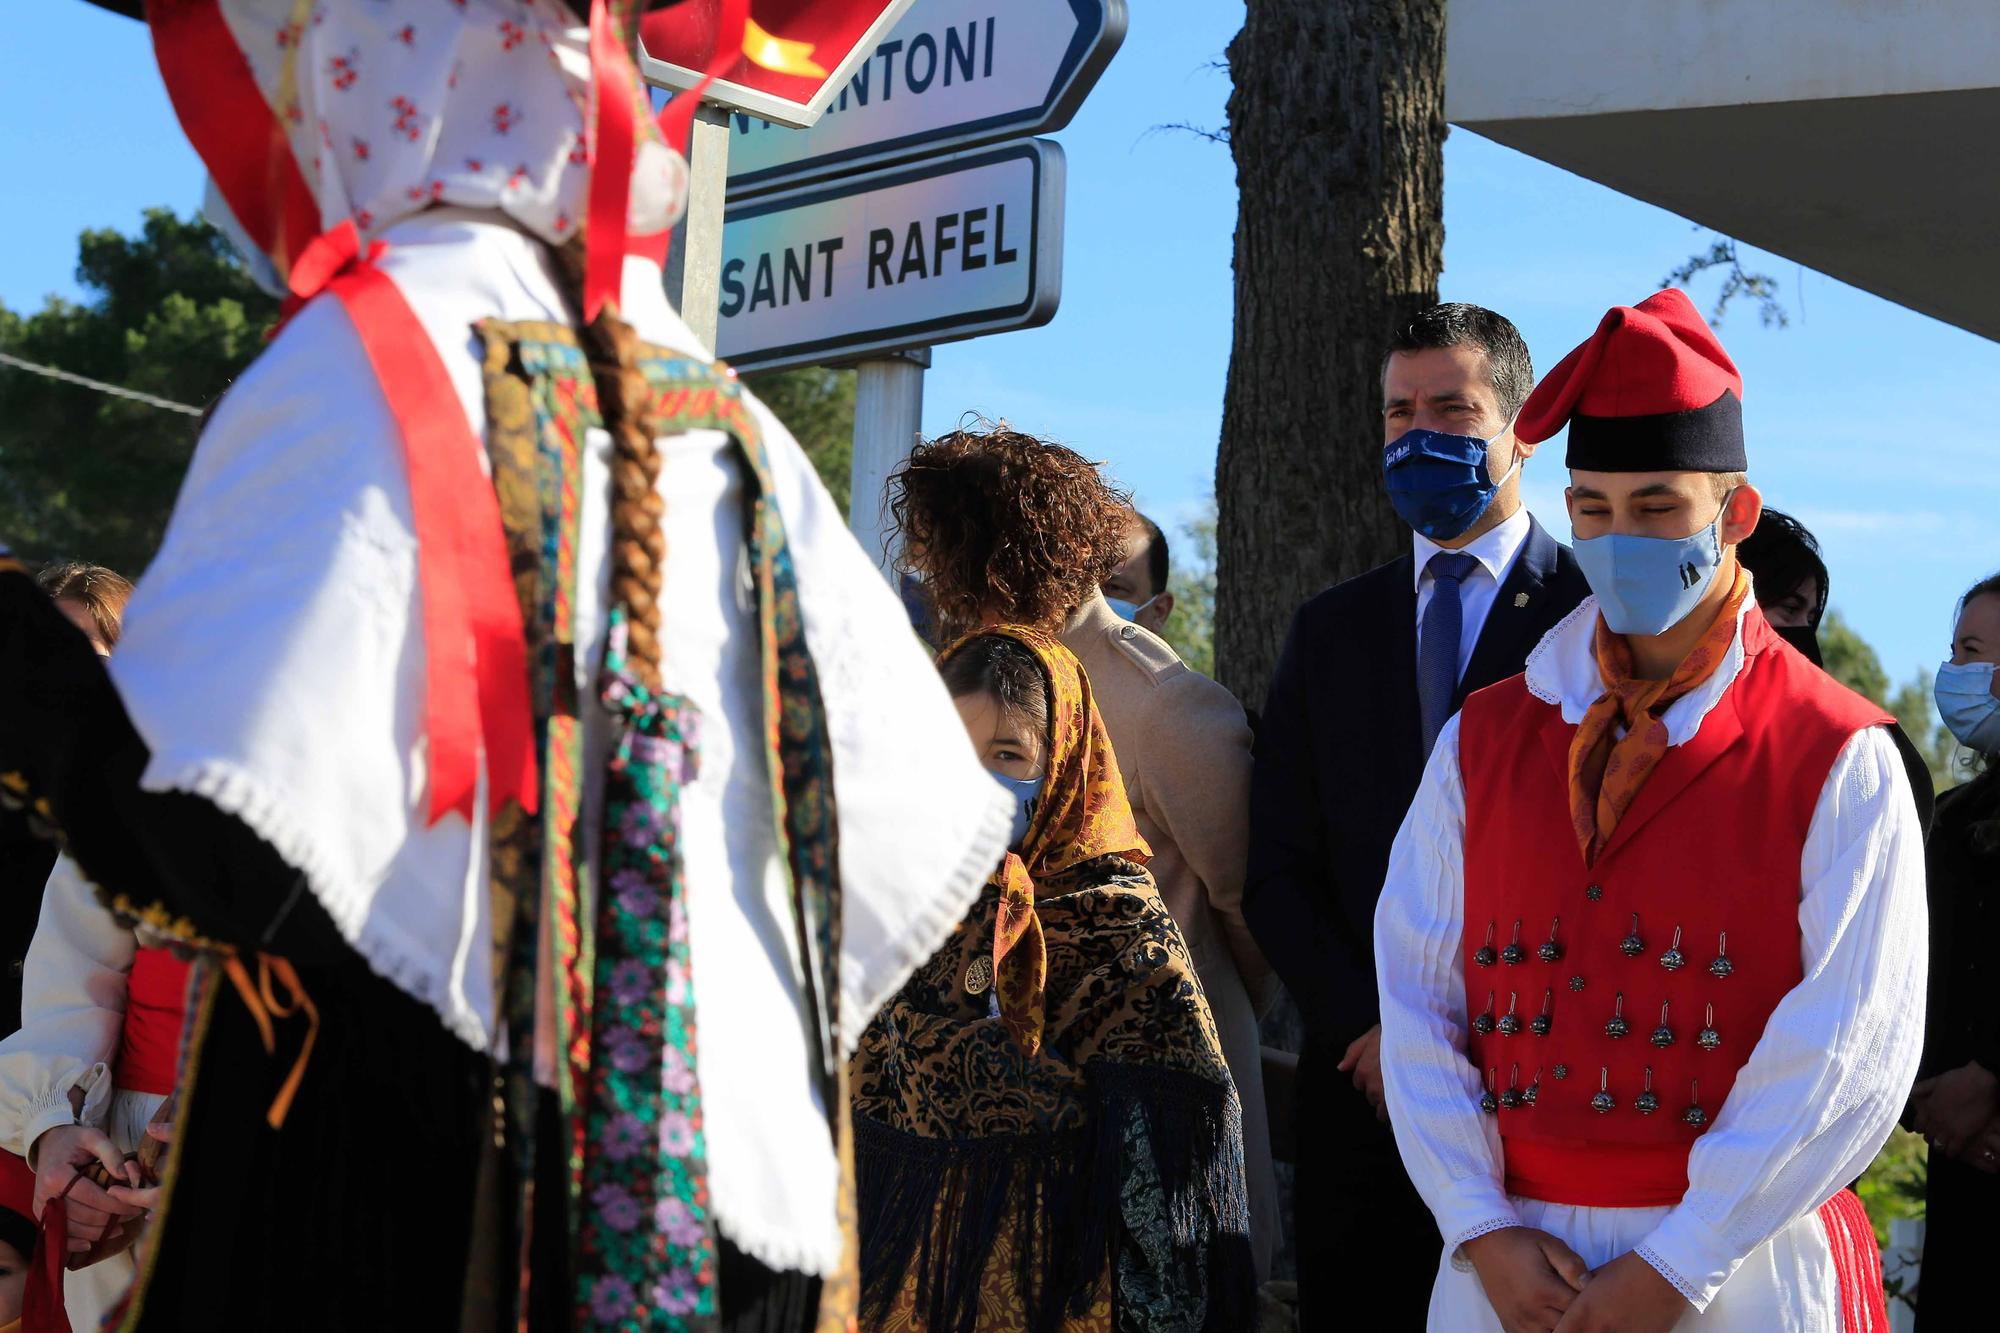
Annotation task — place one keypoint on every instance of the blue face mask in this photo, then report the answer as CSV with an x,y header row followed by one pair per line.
x,y
1027,795
1965,701
1130,610
1439,483
1647,585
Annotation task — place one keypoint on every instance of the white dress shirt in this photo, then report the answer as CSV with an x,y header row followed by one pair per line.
x,y
1810,1108
1496,551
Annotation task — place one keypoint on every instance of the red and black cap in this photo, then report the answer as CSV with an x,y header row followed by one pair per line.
x,y
1650,391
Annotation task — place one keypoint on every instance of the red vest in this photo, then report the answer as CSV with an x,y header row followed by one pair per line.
x,y
155,1006
1711,846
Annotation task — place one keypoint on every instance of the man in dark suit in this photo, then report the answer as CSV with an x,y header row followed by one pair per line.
x,y
1370,672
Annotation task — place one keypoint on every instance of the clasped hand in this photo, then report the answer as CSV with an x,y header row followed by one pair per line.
x,y
101,1222
1537,1284
1959,1112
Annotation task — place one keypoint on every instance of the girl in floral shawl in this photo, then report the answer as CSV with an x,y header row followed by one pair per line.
x,y
1046,1135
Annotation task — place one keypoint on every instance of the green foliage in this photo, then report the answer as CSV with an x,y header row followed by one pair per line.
x,y
1191,628
1854,664
172,312
817,406
1893,1184
169,311
1850,660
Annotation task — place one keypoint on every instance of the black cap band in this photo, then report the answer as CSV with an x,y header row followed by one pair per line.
x,y
1702,439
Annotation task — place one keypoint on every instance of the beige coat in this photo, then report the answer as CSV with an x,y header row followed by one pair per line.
x,y
1183,746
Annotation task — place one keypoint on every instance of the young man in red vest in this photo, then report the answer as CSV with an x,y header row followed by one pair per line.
x,y
1652,940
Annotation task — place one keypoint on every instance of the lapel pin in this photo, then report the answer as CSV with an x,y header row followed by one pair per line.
x,y
1520,600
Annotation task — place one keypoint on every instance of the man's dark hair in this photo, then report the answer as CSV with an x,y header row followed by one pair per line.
x,y
1157,563
1457,324
1781,555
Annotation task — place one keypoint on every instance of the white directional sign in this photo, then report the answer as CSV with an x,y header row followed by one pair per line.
x,y
930,252
950,74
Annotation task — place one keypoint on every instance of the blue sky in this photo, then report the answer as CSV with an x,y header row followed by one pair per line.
x,y
1864,418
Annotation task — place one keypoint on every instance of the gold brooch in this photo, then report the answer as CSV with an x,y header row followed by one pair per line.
x,y
1520,599
979,975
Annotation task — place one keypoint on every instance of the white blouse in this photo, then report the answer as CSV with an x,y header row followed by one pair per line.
x,y
1823,1087
273,662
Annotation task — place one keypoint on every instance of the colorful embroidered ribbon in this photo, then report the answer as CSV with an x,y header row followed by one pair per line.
x,y
1605,774
644,1149
472,623
647,1246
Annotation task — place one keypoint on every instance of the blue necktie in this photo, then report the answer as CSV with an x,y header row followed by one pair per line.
x,y
1438,640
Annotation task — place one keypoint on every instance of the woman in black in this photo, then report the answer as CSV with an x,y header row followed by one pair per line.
x,y
1957,1104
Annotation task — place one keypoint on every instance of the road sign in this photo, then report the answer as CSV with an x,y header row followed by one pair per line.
x,y
675,44
929,252
953,73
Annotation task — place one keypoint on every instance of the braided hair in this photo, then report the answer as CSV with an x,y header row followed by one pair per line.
x,y
638,514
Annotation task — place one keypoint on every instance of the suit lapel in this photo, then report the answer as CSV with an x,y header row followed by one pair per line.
x,y
1401,714
1511,626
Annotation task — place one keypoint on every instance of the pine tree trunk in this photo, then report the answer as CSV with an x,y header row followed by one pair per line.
x,y
1337,125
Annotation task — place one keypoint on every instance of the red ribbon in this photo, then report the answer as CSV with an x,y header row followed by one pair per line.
x,y
614,141
42,1307
472,619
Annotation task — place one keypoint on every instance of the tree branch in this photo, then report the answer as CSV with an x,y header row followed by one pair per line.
x,y
1736,282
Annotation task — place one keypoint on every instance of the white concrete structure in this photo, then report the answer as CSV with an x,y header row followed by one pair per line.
x,y
1858,137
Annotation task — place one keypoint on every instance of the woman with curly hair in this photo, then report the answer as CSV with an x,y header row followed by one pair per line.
x,y
1005,528
1046,1137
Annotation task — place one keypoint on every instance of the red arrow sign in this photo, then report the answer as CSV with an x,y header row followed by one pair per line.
x,y
835,36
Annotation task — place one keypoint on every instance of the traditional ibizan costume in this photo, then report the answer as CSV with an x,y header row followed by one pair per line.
x,y
490,798
1653,951
102,1012
1047,1134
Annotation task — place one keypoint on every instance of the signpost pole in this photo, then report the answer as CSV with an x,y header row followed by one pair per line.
x,y
695,263
888,416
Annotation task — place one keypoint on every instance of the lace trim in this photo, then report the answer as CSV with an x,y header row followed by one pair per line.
x,y
1671,1274
235,791
1458,1259
927,935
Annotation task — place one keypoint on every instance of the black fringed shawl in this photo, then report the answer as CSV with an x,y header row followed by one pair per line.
x,y
1000,1191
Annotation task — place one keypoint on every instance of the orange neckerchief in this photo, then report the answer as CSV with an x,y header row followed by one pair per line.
x,y
1605,775
1083,815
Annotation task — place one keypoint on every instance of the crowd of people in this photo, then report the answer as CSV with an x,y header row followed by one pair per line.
x,y
559,884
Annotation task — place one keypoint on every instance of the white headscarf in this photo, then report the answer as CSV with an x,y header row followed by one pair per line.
x,y
389,109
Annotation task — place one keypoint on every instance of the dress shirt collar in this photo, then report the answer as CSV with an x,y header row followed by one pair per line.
x,y
1494,550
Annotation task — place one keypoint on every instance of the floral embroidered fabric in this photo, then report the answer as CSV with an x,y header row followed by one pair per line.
x,y
625,983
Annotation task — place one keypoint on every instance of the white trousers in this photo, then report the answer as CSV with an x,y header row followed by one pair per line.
x,y
1787,1285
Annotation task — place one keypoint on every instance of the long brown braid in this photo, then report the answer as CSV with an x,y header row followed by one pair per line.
x,y
638,514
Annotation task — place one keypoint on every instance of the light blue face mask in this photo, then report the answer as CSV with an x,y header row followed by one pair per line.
x,y
1965,701
1027,795
1130,610
1647,585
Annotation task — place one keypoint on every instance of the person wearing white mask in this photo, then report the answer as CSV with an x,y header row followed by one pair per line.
x,y
1957,1106
1653,934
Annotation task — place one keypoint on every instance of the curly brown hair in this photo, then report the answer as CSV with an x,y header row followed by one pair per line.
x,y
1005,527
